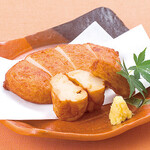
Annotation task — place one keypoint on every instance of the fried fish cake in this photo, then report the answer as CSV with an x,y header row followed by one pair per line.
x,y
106,67
93,85
29,82
69,100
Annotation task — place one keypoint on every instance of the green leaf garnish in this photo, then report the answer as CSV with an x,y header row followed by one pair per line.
x,y
137,102
135,58
141,57
146,102
134,101
141,68
136,74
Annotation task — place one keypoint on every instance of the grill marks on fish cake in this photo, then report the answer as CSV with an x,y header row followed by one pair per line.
x,y
29,82
51,60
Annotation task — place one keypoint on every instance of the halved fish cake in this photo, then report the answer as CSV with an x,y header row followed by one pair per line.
x,y
92,84
69,100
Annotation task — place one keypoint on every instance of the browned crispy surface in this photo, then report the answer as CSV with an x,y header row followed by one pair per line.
x,y
94,105
53,61
68,110
32,83
29,82
79,55
106,67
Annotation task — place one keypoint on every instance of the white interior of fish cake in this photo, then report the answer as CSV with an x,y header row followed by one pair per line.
x,y
87,80
67,90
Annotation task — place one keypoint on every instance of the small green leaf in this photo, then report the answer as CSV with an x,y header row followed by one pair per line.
x,y
145,64
132,68
144,70
125,68
131,85
145,74
138,85
119,64
136,74
135,58
141,57
123,74
134,101
147,102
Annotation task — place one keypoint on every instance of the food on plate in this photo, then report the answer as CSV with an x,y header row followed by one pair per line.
x,y
80,56
51,60
63,59
106,67
29,82
119,111
69,100
93,85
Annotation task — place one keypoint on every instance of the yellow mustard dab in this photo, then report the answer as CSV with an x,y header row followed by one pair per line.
x,y
119,111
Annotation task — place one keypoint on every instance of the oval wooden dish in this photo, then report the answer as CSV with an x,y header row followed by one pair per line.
x,y
91,127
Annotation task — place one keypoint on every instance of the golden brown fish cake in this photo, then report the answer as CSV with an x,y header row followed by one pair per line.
x,y
29,82
81,57
69,100
52,61
25,77
106,67
93,85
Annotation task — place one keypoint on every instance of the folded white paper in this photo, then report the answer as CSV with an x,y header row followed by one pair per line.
x,y
12,107
93,34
